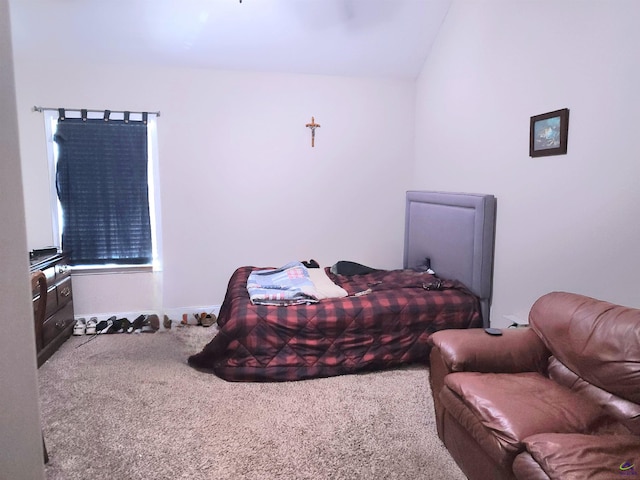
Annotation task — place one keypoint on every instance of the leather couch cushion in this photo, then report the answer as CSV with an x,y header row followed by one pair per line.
x,y
464,434
514,406
575,456
596,340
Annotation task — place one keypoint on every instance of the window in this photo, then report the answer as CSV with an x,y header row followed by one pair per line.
x,y
103,176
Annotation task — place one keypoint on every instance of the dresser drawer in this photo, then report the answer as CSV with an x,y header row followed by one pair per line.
x,y
64,292
55,324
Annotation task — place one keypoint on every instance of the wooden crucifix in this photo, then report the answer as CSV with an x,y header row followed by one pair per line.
x,y
313,125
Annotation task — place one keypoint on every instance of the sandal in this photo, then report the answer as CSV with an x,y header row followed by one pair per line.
x,y
126,326
80,327
91,326
104,326
138,323
116,327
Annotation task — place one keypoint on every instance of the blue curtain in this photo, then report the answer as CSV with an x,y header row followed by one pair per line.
x,y
101,178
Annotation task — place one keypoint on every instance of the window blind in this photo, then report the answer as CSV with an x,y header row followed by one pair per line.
x,y
102,185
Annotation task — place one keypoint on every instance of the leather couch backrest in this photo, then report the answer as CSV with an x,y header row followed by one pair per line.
x,y
597,340
624,411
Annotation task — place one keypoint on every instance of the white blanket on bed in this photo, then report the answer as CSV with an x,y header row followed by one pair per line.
x,y
324,286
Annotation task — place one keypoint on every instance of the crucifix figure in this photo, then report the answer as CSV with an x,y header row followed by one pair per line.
x,y
313,125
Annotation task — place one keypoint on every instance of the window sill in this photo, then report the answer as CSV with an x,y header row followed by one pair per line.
x,y
110,269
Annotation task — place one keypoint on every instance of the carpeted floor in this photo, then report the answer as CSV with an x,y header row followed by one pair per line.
x,y
128,407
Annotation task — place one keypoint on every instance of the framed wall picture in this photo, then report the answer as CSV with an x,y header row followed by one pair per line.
x,y
548,133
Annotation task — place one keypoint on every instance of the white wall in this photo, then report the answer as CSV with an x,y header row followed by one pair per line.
x,y
567,222
20,434
240,183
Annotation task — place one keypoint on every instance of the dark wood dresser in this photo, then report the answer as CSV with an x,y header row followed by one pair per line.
x,y
58,323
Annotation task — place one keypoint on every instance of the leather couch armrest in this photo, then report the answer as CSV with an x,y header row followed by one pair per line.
x,y
473,350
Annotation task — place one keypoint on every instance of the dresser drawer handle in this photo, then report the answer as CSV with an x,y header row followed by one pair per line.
x,y
66,291
60,324
62,268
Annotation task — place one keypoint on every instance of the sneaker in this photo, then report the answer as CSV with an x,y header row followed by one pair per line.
x,y
91,326
208,320
80,327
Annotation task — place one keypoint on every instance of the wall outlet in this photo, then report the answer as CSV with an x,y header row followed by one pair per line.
x,y
515,321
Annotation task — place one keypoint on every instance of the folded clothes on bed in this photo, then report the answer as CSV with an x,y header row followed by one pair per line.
x,y
287,285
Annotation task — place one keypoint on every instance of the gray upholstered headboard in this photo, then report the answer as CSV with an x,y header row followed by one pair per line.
x,y
456,231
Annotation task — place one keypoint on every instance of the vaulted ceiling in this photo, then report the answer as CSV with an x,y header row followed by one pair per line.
x,y
376,38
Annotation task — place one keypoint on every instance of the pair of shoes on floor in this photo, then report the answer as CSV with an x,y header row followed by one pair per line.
x,y
121,325
91,327
125,326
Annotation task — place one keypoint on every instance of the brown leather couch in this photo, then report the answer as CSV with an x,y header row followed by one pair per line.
x,y
557,400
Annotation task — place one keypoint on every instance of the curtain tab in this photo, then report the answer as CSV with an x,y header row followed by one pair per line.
x,y
83,114
145,115
126,117
61,114
106,115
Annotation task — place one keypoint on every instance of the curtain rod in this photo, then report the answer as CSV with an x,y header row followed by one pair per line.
x,y
42,109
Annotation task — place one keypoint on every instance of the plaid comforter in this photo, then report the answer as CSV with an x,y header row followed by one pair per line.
x,y
384,322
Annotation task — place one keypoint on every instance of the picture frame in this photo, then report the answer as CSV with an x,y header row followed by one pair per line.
x,y
548,133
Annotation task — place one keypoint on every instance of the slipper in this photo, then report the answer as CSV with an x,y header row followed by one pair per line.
x,y
151,324
91,326
154,321
80,327
166,323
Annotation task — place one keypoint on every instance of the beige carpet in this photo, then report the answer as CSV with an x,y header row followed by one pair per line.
x,y
128,407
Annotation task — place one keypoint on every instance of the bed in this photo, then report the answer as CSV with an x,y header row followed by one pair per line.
x,y
387,316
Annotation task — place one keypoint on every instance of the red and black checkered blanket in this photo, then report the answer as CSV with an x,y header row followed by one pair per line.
x,y
387,326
